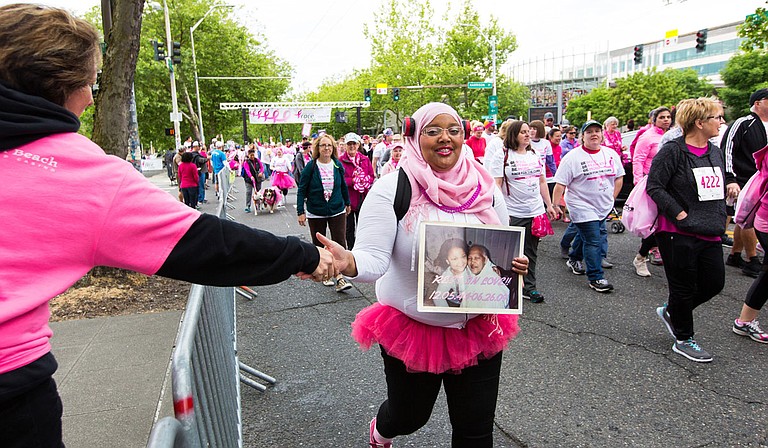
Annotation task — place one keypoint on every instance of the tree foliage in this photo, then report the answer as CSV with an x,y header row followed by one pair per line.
x,y
754,30
223,47
744,73
428,62
634,96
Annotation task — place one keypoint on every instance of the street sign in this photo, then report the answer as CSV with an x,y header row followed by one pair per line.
x,y
479,85
177,117
493,105
487,117
381,89
670,38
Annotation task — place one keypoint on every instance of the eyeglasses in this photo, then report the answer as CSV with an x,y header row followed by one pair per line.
x,y
453,131
325,145
718,117
571,133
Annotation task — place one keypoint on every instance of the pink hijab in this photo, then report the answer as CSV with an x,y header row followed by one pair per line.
x,y
452,188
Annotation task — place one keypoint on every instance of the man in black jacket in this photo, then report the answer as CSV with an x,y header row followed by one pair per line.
x,y
742,138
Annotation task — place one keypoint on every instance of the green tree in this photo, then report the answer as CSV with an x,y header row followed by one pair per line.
x,y
223,48
635,95
754,30
428,63
743,74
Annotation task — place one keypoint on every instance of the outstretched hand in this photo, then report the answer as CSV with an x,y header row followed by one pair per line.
x,y
341,256
325,268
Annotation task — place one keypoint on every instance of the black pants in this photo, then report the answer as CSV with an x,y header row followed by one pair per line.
x,y
530,250
32,419
352,218
695,272
758,292
646,244
471,399
190,196
336,225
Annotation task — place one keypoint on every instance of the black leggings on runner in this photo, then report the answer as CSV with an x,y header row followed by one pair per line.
x,y
758,292
646,244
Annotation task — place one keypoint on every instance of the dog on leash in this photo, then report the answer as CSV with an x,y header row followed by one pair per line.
x,y
258,202
269,198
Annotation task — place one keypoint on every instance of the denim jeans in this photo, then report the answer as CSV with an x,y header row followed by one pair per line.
x,y
571,238
201,188
587,246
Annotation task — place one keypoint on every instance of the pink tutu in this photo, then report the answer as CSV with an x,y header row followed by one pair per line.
x,y
427,348
282,180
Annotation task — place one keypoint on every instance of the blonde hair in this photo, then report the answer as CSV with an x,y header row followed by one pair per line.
x,y
316,146
46,51
690,110
504,126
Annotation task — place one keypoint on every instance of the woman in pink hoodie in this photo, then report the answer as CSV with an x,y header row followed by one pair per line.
x,y
646,149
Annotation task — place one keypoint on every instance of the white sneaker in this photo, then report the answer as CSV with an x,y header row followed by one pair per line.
x,y
641,266
329,282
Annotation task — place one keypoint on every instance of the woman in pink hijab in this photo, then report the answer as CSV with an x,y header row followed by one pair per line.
x,y
423,351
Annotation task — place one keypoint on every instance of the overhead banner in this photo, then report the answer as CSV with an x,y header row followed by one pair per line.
x,y
279,115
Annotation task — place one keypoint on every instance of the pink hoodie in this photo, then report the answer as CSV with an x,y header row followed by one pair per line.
x,y
645,151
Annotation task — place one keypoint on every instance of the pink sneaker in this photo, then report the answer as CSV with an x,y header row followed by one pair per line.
x,y
372,441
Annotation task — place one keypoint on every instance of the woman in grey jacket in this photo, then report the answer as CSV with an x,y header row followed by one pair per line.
x,y
687,183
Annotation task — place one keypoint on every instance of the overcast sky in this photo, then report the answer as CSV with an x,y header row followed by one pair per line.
x,y
304,31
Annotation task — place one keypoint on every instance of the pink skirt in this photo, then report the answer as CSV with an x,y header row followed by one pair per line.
x,y
427,348
282,180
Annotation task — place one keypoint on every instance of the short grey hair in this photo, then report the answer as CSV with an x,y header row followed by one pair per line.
x,y
610,120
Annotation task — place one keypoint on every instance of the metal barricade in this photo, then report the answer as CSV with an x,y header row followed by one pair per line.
x,y
206,387
167,433
207,373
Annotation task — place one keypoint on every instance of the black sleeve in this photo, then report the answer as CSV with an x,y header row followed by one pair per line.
x,y
222,253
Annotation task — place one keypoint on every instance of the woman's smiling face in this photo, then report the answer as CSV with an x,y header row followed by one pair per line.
x,y
441,152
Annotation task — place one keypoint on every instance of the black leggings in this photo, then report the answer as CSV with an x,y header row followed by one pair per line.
x,y
646,244
758,292
471,397
695,273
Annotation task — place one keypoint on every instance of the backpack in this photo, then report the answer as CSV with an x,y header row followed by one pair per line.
x,y
640,211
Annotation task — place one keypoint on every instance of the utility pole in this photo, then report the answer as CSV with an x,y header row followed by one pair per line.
x,y
169,63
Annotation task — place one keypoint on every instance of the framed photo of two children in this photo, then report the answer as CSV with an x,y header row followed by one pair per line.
x,y
467,268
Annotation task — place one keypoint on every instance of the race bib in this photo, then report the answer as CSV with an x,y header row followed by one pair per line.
x,y
709,181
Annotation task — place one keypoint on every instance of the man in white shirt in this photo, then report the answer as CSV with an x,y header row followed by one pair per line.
x,y
490,131
593,175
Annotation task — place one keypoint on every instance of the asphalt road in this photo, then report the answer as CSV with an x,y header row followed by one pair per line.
x,y
586,370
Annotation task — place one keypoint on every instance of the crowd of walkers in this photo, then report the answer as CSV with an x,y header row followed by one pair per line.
x,y
698,171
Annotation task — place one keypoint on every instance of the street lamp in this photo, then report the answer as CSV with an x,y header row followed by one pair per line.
x,y
493,55
194,63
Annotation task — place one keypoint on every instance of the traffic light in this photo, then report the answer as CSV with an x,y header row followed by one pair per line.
x,y
701,41
367,95
176,53
159,50
170,131
396,94
638,54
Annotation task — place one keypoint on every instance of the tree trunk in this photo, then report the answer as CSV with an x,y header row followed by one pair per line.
x,y
112,104
192,117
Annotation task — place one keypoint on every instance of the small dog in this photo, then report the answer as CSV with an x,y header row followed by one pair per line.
x,y
269,198
258,202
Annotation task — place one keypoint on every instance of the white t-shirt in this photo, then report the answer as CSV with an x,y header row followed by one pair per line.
x,y
385,252
522,194
589,179
494,156
488,137
543,148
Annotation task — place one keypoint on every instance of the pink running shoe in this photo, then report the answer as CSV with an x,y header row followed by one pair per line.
x,y
372,441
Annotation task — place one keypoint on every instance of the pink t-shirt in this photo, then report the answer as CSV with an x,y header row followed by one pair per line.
x,y
67,207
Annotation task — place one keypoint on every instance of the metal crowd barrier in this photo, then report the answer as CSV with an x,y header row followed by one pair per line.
x,y
167,433
206,375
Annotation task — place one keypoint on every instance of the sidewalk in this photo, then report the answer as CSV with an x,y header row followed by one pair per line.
x,y
113,377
